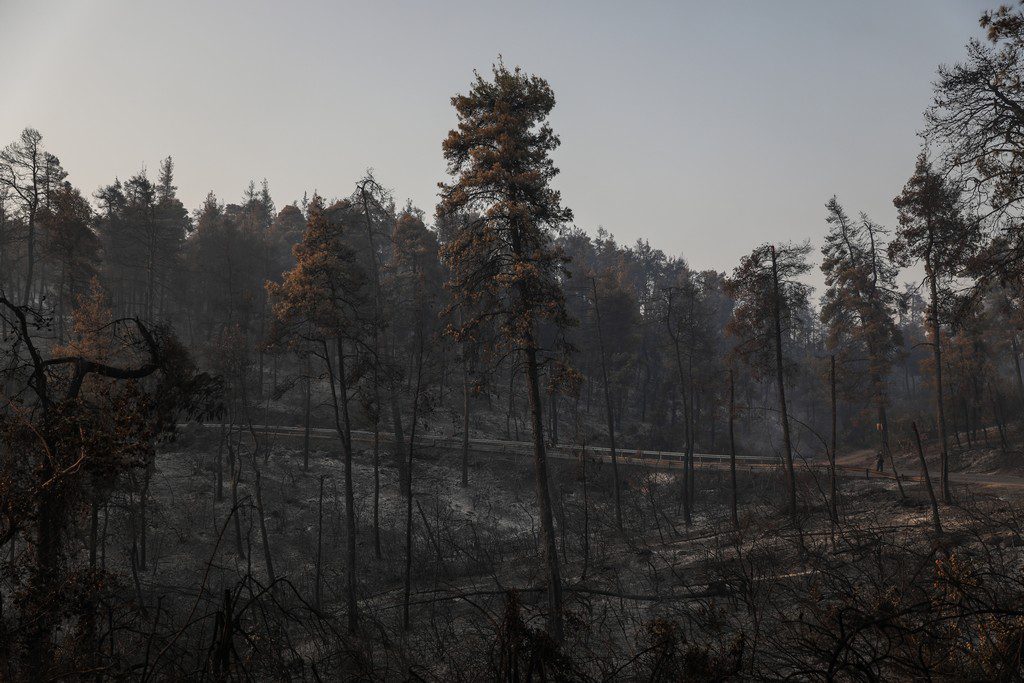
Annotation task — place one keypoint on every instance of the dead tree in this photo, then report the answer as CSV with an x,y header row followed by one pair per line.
x,y
936,523
608,409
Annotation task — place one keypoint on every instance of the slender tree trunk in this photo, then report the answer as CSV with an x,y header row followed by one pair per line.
x,y
235,474
883,422
586,516
407,589
307,410
686,426
833,451
1016,365
554,416
319,544
343,425
998,413
643,392
465,421
219,492
398,434
956,428
46,559
608,411
143,500
732,450
30,254
713,426
260,367
150,268
555,628
967,416
940,413
906,379
511,403
691,437
779,375
264,538
377,408
350,512
376,489
937,525
61,312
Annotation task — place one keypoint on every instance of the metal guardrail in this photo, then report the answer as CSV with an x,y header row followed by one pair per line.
x,y
665,459
659,459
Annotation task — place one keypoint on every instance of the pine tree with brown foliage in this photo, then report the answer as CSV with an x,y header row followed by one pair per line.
x,y
503,265
323,299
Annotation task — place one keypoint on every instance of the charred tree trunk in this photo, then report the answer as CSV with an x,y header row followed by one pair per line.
x,y
236,471
686,424
510,414
44,577
376,489
219,492
883,423
343,425
30,254
608,411
264,537
732,450
586,515
319,545
554,416
940,412
465,420
779,375
937,525
691,438
143,504
999,414
407,589
833,451
307,410
1016,366
555,627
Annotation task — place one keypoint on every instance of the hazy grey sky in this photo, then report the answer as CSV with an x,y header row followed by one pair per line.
x,y
705,127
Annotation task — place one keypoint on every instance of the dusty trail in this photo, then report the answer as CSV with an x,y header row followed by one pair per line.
x,y
863,460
